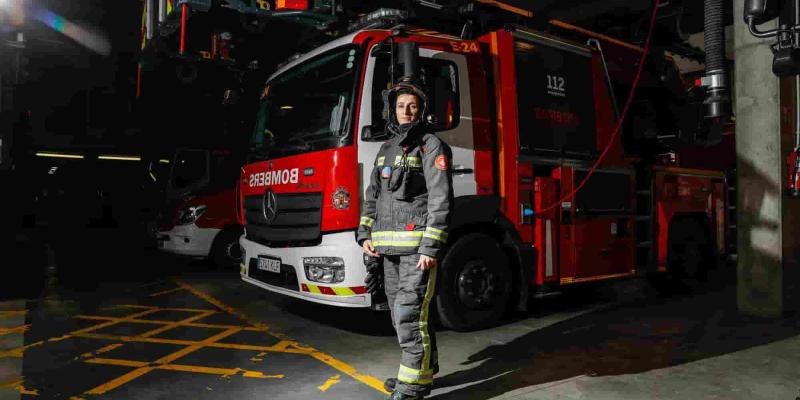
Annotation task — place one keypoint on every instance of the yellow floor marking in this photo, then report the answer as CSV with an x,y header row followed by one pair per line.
x,y
166,291
160,322
345,368
102,350
17,329
18,352
13,383
76,398
117,362
130,376
11,313
176,324
225,372
330,382
193,310
30,392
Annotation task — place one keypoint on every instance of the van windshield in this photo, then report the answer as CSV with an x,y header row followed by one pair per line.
x,y
309,107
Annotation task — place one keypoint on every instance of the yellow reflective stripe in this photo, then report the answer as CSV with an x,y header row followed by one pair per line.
x,y
313,289
414,376
242,269
397,238
381,159
367,221
397,234
423,320
413,162
436,234
396,243
343,291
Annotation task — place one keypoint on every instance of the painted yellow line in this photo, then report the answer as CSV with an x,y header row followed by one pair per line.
x,y
343,367
166,292
330,382
160,322
30,392
18,329
102,350
18,352
117,362
177,324
11,313
12,383
136,339
220,371
130,376
194,310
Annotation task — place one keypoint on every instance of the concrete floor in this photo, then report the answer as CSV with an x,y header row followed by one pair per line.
x,y
206,334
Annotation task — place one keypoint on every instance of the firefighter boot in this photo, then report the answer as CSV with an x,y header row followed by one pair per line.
x,y
389,384
403,396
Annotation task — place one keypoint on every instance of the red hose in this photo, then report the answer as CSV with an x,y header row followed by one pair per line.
x,y
621,118
183,27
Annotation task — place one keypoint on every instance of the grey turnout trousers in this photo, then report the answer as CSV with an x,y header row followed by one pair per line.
x,y
409,292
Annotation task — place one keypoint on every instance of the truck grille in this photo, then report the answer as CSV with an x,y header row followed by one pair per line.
x,y
297,219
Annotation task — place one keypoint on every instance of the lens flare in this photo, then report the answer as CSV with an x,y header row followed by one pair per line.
x,y
94,41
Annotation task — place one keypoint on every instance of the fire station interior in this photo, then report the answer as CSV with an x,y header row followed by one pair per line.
x,y
182,181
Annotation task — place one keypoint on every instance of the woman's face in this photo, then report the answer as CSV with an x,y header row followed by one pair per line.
x,y
407,108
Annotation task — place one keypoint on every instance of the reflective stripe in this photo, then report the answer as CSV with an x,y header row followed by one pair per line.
x,y
343,291
413,162
397,238
436,234
380,161
414,376
314,289
367,221
423,321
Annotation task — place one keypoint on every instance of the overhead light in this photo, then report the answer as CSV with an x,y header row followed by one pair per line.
x,y
164,161
287,108
58,155
120,158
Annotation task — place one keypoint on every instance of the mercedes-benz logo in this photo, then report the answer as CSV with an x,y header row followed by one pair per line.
x,y
270,206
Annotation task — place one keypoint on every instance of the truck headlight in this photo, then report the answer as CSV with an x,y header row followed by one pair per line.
x,y
324,269
190,214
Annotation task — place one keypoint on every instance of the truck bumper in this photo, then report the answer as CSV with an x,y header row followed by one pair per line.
x,y
188,240
292,280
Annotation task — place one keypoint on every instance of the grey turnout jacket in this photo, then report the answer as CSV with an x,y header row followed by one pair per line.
x,y
407,205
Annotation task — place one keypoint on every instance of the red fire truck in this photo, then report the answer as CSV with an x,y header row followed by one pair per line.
x,y
526,114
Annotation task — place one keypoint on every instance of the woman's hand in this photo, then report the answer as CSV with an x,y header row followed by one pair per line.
x,y
367,247
426,262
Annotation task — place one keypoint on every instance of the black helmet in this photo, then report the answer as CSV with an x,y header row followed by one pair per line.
x,y
390,98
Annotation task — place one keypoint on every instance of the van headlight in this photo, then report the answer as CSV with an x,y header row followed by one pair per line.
x,y
324,269
189,215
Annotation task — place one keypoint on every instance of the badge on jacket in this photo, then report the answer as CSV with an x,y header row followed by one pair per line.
x,y
441,162
386,172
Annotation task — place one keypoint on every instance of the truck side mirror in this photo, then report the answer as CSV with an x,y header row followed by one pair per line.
x,y
372,133
761,11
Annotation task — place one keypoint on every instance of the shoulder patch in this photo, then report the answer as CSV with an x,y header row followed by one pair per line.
x,y
441,162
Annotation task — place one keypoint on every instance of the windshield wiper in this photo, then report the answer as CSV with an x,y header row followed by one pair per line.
x,y
258,152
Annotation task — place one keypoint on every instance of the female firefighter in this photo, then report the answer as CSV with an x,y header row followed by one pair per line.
x,y
404,221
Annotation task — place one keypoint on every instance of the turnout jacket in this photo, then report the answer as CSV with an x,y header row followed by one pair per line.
x,y
406,207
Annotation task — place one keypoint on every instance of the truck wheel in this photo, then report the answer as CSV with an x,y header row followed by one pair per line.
x,y
225,252
474,284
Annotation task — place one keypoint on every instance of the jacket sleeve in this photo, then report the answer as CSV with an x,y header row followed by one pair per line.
x,y
436,165
364,230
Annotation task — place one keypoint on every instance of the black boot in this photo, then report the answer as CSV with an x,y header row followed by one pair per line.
x,y
403,396
389,384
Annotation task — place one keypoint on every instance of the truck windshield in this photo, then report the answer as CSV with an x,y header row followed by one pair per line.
x,y
307,108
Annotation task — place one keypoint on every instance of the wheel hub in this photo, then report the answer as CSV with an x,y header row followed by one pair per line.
x,y
476,284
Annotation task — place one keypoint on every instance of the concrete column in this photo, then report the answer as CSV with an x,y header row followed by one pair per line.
x,y
768,239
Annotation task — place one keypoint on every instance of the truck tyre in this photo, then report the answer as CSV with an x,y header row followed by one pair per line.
x,y
225,251
474,284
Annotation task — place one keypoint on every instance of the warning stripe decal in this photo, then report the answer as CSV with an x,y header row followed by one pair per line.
x,y
333,291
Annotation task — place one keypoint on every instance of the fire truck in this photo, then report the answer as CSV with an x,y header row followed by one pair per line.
x,y
531,117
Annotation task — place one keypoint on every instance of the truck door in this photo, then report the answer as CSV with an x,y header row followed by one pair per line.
x,y
444,71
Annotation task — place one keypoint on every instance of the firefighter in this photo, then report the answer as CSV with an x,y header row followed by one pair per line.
x,y
404,221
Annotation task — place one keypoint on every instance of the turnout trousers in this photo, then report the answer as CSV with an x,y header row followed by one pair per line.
x,y
409,292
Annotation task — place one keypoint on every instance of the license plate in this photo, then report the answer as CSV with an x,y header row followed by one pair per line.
x,y
269,264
